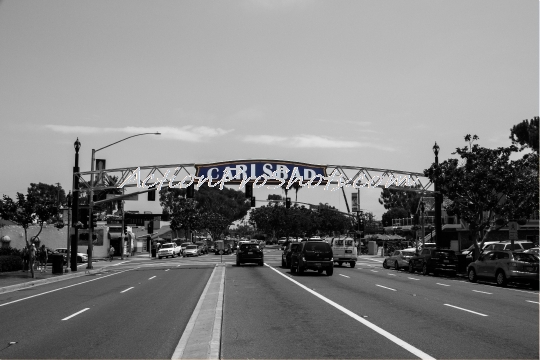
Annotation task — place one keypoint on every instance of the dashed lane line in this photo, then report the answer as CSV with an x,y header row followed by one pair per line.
x,y
473,312
391,274
534,302
345,276
374,270
151,278
412,278
385,287
442,284
126,290
77,313
482,292
167,269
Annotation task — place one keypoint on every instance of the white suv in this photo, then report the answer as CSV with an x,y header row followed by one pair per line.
x,y
168,249
505,245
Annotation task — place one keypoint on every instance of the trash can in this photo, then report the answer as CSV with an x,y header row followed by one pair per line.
x,y
57,263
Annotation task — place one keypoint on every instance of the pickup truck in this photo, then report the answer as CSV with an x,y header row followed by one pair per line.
x,y
168,249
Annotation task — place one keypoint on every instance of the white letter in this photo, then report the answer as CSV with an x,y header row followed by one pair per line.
x,y
240,172
310,182
329,179
226,177
308,174
176,171
264,176
355,184
160,181
244,182
151,176
209,173
295,176
276,175
137,174
267,168
181,184
201,183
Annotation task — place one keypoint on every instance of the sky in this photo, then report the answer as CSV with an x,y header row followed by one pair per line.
x,y
359,83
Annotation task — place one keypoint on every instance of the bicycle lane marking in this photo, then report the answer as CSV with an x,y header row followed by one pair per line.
x,y
410,348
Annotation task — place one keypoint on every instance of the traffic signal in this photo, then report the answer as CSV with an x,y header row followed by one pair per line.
x,y
288,202
190,191
150,227
83,217
252,201
94,219
249,191
125,229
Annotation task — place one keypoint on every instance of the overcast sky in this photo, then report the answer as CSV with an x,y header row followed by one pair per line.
x,y
361,83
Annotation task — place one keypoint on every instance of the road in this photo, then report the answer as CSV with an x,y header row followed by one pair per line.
x,y
141,309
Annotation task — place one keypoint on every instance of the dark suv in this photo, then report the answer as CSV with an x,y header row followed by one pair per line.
x,y
249,253
313,255
432,260
286,256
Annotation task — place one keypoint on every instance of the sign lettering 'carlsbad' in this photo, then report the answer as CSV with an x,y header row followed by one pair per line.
x,y
264,172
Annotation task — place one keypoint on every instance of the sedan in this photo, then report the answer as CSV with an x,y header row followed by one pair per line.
x,y
399,259
192,250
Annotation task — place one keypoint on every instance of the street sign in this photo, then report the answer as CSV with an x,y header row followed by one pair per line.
x,y
220,252
354,198
513,230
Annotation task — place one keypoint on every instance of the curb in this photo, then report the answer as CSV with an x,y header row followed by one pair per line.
x,y
31,284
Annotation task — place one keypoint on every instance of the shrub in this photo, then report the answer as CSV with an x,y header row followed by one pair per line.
x,y
10,263
10,251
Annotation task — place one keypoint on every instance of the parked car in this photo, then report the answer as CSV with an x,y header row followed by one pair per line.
x,y
506,245
313,255
168,249
81,257
534,250
202,247
192,250
183,247
433,260
249,253
399,259
504,266
287,253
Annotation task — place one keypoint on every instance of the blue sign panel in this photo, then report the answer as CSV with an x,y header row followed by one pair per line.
x,y
272,170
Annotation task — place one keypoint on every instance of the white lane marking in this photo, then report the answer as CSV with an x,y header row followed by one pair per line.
x,y
385,287
177,265
120,263
127,289
344,276
534,302
483,292
413,278
374,270
474,312
442,284
392,274
65,287
151,278
370,325
528,292
167,269
77,313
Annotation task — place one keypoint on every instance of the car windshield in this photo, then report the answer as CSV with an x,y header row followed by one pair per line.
x,y
408,253
248,246
525,257
167,246
192,246
527,245
338,242
316,247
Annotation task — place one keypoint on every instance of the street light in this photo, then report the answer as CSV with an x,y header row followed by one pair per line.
x,y
75,238
91,200
438,202
422,209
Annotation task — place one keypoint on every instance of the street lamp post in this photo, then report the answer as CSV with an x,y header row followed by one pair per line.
x,y
423,232
91,199
438,202
68,216
75,238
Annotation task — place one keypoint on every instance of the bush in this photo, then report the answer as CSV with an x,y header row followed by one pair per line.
x,y
10,251
10,263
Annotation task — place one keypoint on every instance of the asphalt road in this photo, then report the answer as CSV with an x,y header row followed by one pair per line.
x,y
137,314
140,309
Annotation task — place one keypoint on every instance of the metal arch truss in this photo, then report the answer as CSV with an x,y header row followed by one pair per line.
x,y
348,176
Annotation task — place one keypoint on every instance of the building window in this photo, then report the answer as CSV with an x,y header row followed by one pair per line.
x,y
152,196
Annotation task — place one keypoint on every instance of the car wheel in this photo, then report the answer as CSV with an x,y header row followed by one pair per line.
x,y
411,268
283,265
319,271
159,257
293,269
329,271
424,270
299,269
472,275
261,263
501,278
396,265
353,264
237,263
384,264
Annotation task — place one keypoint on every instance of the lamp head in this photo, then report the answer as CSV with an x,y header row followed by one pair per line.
x,y
77,145
436,149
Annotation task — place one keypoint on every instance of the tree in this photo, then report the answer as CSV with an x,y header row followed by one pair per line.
x,y
407,200
394,213
526,134
274,197
486,188
53,193
214,223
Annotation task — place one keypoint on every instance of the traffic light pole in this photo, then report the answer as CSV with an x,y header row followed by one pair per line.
x,y
123,228
74,240
91,214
